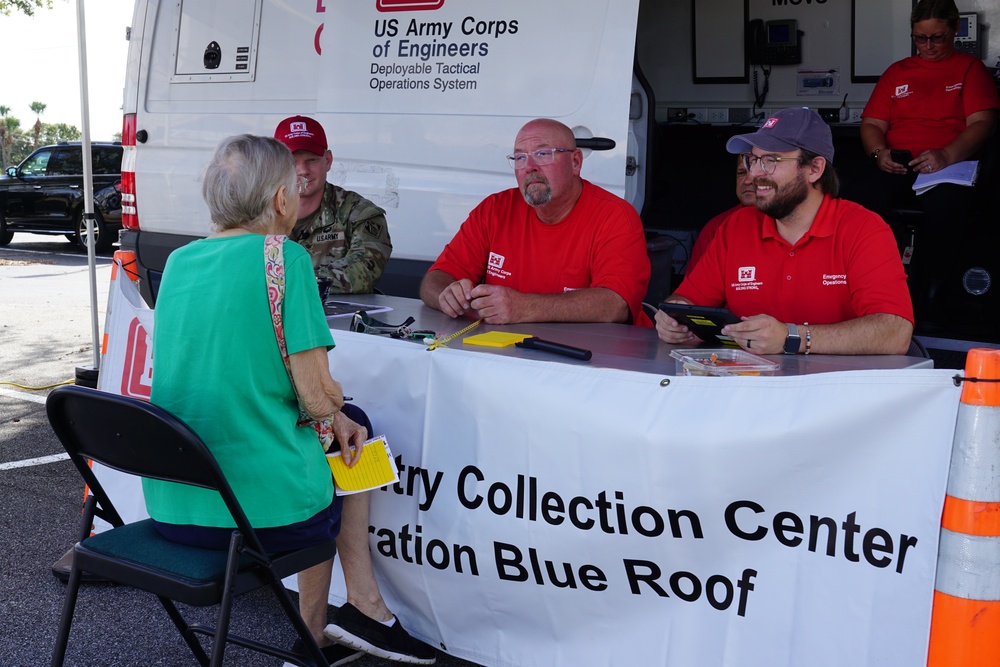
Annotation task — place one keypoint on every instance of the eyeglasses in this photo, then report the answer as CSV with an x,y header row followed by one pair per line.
x,y
301,184
541,157
933,39
362,322
768,163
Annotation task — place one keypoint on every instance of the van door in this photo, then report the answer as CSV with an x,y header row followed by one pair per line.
x,y
61,189
25,198
427,115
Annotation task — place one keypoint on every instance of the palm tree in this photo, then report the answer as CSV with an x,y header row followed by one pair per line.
x,y
39,109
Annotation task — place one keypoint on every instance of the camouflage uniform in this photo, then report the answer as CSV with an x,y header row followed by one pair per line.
x,y
348,240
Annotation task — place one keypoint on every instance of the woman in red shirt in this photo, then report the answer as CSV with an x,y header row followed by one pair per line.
x,y
941,107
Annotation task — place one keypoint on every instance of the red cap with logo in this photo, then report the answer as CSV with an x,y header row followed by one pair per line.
x,y
301,133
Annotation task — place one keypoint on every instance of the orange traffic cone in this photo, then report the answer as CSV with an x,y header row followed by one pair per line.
x,y
965,623
124,259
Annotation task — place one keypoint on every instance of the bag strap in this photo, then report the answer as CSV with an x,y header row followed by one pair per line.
x,y
274,277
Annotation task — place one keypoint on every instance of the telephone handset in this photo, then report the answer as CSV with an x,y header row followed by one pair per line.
x,y
755,41
774,42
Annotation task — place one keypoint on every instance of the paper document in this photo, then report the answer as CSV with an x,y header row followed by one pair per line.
x,y
960,173
375,468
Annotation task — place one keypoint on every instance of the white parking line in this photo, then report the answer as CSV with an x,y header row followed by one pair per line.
x,y
10,393
27,463
98,258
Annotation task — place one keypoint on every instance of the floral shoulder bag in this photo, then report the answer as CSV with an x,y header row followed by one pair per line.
x,y
274,275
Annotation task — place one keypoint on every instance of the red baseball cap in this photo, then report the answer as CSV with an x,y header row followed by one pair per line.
x,y
301,133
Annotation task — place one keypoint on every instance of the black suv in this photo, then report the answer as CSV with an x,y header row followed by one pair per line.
x,y
44,194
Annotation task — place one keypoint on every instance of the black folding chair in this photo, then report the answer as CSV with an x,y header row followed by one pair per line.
x,y
917,349
139,438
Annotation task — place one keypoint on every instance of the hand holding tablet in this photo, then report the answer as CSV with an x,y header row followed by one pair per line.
x,y
704,321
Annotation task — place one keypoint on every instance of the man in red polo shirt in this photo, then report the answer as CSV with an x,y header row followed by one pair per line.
x,y
805,271
555,249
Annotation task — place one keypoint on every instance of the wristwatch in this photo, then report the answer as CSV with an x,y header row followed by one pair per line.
x,y
792,341
875,153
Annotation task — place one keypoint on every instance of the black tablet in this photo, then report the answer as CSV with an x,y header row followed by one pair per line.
x,y
705,322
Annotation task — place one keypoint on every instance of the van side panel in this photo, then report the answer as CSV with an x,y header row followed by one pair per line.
x,y
420,107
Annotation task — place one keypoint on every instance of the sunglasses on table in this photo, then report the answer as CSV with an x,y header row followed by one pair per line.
x,y
362,322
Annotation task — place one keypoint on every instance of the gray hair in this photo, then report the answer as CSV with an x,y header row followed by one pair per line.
x,y
242,179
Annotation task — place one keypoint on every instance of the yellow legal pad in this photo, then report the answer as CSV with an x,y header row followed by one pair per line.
x,y
495,338
374,469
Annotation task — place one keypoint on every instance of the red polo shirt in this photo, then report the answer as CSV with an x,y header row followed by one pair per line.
x,y
845,266
926,103
599,244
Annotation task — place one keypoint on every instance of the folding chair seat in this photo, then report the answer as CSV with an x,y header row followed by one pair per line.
x,y
139,438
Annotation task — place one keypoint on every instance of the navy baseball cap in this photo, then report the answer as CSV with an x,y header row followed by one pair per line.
x,y
797,127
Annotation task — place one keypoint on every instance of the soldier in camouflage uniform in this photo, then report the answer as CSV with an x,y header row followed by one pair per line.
x,y
346,235
348,239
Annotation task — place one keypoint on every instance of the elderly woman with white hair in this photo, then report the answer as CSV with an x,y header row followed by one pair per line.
x,y
220,369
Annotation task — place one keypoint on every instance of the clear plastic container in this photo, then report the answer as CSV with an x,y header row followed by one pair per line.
x,y
722,362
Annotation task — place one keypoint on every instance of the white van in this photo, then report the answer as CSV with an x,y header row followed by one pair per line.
x,y
420,100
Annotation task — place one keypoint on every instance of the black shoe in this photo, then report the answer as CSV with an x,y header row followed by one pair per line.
x,y
352,628
62,567
335,654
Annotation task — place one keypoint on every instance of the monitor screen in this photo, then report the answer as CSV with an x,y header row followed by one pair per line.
x,y
778,33
963,27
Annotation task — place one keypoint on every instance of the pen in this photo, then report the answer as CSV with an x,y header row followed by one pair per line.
x,y
535,343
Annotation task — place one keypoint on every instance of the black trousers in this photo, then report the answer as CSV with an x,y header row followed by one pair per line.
x,y
945,225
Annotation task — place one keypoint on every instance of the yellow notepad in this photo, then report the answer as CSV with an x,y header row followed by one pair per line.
x,y
495,338
375,468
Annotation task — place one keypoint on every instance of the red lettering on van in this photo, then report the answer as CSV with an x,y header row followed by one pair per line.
x,y
407,5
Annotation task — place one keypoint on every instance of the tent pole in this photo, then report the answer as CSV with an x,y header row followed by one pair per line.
x,y
88,179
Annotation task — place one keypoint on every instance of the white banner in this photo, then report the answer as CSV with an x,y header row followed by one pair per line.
x,y
126,369
556,514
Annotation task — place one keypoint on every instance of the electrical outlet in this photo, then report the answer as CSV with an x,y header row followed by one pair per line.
x,y
854,115
677,114
739,115
718,115
698,115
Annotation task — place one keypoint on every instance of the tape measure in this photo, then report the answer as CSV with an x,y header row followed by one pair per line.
x,y
444,341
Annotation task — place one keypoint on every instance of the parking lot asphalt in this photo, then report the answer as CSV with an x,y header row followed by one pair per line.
x,y
45,334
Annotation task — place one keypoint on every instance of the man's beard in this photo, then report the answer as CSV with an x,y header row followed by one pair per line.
x,y
537,198
785,199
